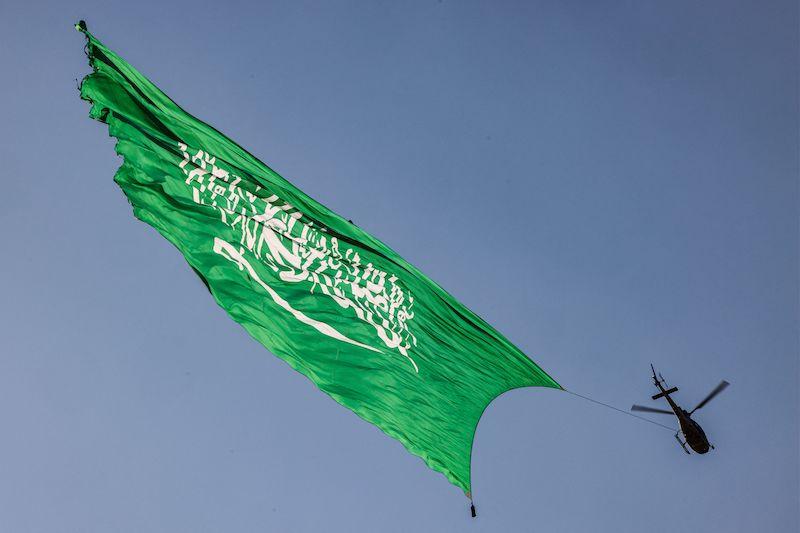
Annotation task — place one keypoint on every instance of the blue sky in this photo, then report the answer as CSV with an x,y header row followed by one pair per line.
x,y
609,185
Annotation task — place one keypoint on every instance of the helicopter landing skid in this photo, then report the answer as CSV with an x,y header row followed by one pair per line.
x,y
683,444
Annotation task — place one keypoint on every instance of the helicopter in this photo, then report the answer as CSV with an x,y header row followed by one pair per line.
x,y
693,434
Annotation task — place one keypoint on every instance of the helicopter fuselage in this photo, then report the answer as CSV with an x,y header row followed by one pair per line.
x,y
692,432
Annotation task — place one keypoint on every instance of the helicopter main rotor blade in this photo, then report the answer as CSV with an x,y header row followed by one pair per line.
x,y
651,410
721,387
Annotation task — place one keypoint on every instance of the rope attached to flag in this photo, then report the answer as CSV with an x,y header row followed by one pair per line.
x,y
619,410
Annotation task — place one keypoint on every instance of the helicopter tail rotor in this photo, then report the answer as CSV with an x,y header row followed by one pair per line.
x,y
658,379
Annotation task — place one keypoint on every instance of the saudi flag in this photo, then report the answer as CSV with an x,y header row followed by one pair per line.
x,y
334,302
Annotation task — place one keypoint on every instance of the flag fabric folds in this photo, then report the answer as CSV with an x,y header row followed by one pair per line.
x,y
335,303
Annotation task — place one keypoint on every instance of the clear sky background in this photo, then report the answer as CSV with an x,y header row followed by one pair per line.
x,y
608,183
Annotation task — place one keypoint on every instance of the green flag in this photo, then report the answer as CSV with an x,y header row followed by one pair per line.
x,y
335,303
